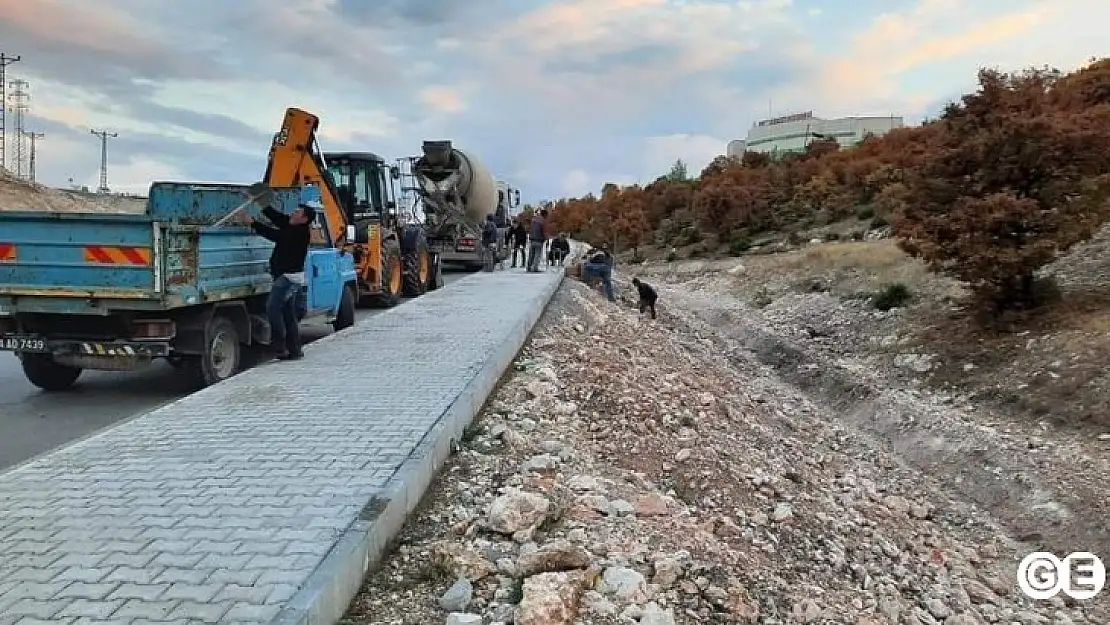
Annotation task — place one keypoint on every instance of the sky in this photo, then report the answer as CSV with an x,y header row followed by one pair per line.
x,y
557,97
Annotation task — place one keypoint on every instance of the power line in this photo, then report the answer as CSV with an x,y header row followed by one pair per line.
x,y
19,97
104,136
5,61
34,137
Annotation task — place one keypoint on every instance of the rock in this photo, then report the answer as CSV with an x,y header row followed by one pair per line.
x,y
621,507
577,535
553,557
937,608
652,614
462,562
979,592
624,583
542,462
551,599
653,505
458,596
683,455
667,572
517,511
597,603
462,618
783,511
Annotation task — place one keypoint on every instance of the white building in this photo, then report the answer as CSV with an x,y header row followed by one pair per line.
x,y
792,133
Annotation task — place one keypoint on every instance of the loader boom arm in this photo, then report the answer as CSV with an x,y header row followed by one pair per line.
x,y
294,161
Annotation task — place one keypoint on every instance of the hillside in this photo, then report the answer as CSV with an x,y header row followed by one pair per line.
x,y
20,195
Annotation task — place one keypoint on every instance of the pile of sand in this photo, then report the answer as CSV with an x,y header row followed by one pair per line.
x,y
20,195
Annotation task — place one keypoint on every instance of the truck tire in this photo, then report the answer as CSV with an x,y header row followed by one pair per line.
x,y
393,279
44,372
222,355
345,316
417,262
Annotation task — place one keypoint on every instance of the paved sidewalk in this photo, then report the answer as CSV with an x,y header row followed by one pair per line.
x,y
264,498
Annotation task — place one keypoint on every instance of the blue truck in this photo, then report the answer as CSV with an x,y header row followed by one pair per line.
x,y
115,291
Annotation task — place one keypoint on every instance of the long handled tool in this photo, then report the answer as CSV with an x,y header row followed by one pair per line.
x,y
257,193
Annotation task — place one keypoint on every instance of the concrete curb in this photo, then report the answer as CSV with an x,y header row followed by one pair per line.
x,y
324,598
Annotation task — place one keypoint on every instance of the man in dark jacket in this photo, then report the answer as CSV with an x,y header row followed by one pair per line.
x,y
560,249
536,238
291,235
489,243
519,241
648,296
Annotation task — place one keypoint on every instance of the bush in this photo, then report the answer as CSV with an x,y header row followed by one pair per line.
x,y
672,256
891,296
739,243
865,212
832,236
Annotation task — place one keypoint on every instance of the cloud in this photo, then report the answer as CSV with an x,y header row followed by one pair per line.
x,y
560,96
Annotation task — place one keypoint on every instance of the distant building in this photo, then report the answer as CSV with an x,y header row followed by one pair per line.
x,y
793,133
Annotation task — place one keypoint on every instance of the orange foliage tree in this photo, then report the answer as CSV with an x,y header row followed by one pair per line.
x,y
1006,179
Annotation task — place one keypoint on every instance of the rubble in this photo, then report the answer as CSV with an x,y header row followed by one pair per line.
x,y
21,195
638,471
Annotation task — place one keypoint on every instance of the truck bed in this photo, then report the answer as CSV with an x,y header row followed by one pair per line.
x,y
169,257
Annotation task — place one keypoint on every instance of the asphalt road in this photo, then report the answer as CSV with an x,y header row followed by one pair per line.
x,y
33,422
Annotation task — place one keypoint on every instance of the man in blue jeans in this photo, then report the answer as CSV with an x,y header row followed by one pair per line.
x,y
599,264
291,235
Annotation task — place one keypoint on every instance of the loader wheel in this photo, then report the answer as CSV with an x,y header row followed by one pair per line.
x,y
392,277
46,373
417,264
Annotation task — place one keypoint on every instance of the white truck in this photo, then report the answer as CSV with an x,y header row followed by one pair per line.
x,y
455,192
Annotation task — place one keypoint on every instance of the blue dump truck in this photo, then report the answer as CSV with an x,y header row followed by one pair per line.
x,y
114,292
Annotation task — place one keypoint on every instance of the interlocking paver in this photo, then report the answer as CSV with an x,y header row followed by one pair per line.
x,y
220,506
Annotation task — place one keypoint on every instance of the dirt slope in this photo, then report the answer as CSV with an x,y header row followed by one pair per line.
x,y
662,473
19,195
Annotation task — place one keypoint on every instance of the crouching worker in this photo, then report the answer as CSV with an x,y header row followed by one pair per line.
x,y
291,235
599,264
648,296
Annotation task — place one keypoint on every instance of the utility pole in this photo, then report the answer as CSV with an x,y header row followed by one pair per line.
x,y
19,97
5,61
34,137
104,135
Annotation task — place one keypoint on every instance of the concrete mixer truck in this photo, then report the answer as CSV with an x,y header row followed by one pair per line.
x,y
455,192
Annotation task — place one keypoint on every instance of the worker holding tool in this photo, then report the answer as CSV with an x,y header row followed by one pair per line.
x,y
290,234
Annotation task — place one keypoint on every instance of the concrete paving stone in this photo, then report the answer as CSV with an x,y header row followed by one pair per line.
x,y
219,507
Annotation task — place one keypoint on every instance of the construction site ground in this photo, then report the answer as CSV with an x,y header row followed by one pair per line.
x,y
772,449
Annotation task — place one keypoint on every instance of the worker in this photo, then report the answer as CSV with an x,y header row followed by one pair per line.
x,y
519,237
489,243
648,296
536,239
560,249
290,234
599,264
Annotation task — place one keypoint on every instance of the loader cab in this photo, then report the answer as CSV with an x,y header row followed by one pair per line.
x,y
363,184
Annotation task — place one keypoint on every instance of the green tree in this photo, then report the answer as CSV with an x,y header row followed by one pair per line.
x,y
679,172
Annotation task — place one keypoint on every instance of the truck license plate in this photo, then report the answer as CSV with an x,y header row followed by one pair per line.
x,y
23,344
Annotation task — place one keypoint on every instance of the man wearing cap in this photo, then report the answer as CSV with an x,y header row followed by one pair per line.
x,y
290,234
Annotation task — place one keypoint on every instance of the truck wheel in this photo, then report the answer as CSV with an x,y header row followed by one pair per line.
x,y
393,277
44,372
345,316
222,353
417,262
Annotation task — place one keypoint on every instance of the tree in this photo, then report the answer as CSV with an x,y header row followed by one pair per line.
x,y
679,172
1014,182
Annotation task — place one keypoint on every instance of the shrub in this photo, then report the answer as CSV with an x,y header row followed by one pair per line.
x,y
891,296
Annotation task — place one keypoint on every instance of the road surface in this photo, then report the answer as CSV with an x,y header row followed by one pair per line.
x,y
33,422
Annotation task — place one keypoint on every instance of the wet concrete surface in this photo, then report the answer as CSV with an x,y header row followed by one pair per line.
x,y
33,422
